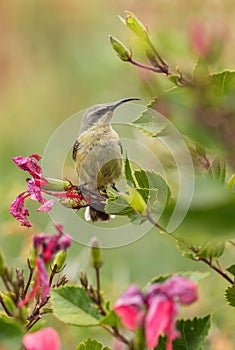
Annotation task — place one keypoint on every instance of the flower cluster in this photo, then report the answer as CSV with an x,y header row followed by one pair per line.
x,y
38,186
156,310
45,247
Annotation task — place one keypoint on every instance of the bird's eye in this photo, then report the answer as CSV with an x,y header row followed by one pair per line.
x,y
101,111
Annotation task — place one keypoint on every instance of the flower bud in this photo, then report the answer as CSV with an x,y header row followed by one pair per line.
x,y
96,258
59,260
134,24
120,48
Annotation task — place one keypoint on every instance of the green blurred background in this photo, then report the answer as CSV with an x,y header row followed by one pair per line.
x,y
56,59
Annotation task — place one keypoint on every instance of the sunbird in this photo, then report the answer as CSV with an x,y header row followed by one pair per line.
x,y
97,152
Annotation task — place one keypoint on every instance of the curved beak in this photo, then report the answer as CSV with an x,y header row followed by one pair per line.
x,y
120,102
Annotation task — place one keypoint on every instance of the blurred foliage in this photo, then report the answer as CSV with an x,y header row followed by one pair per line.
x,y
56,59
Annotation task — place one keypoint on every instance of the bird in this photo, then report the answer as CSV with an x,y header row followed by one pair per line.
x,y
97,154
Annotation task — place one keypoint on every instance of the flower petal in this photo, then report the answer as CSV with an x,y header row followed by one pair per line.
x,y
182,288
129,307
18,210
157,319
45,339
47,205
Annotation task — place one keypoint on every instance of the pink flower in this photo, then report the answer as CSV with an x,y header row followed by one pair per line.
x,y
129,307
45,339
18,210
157,309
41,281
48,245
47,205
29,164
160,319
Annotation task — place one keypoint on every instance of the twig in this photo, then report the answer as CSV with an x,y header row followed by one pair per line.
x,y
31,269
116,334
217,269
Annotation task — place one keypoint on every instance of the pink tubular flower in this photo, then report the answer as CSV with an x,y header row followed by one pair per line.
x,y
160,303
49,245
38,186
129,307
29,164
41,281
18,210
45,339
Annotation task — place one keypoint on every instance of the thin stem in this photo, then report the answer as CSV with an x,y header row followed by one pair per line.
x,y
29,280
217,269
152,47
116,334
97,274
152,221
5,281
140,65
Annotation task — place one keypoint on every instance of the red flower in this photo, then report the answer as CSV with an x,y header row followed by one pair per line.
x,y
157,309
45,339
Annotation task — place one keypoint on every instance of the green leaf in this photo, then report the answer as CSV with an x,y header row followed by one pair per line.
x,y
128,171
118,206
223,82
186,249
160,278
91,344
230,295
11,333
211,250
231,269
73,306
193,334
111,319
148,124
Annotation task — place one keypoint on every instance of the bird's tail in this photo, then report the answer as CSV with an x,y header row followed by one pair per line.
x,y
96,215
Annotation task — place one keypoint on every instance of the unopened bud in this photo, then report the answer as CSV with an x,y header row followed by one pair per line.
x,y
83,280
134,24
59,260
96,258
120,48
20,278
2,264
